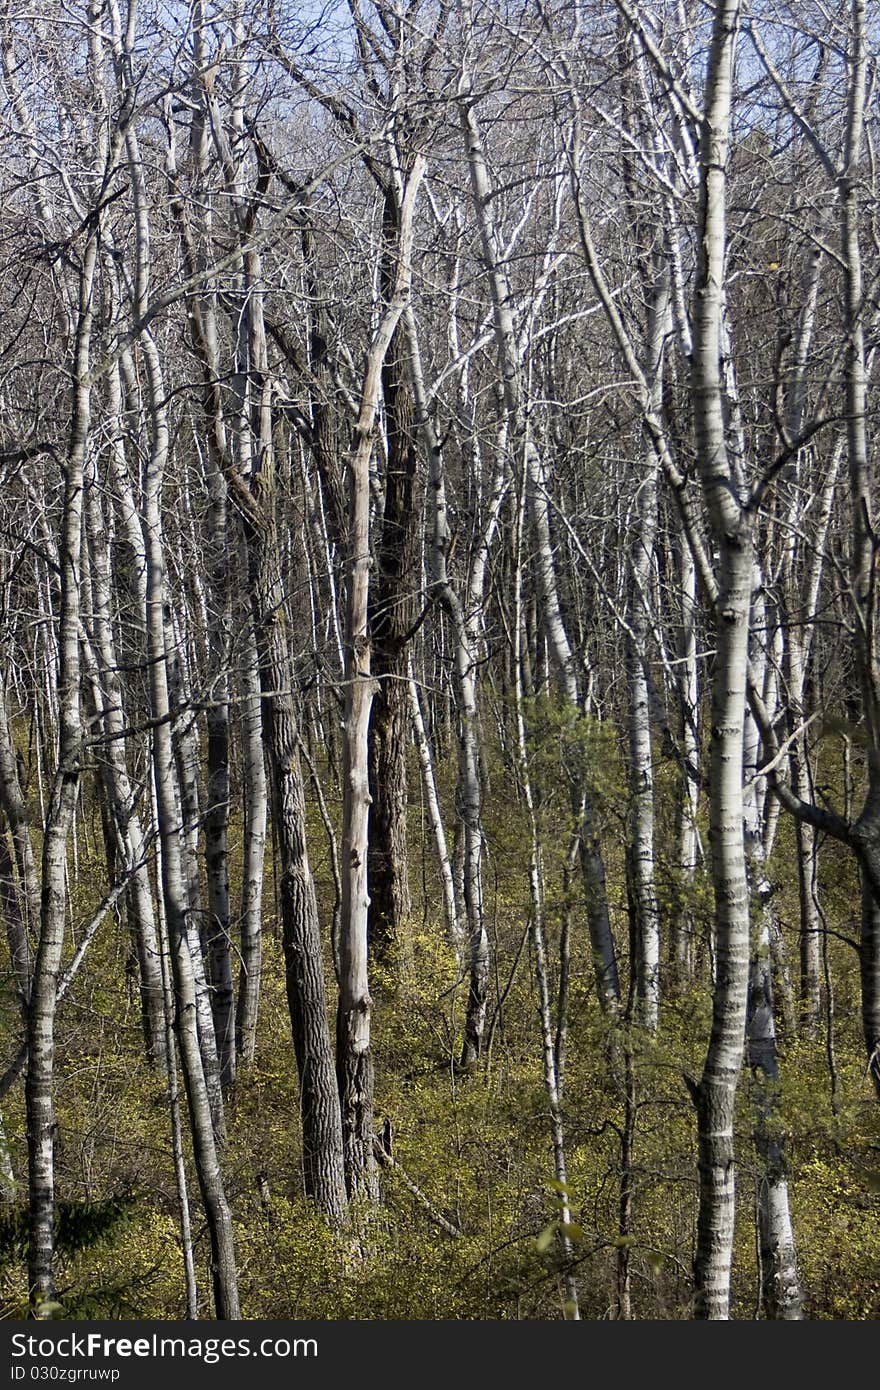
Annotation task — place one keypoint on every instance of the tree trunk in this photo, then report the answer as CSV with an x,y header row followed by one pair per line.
x,y
173,878
255,813
435,818
732,533
392,614
217,923
323,1174
780,1283
41,1124
354,1062
641,759
174,891
689,789
16,813
109,702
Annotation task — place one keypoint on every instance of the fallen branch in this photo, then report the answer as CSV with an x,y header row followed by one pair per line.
x,y
385,1160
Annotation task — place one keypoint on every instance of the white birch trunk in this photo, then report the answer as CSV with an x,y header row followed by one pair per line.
x,y
109,703
454,933
173,876
255,817
731,527
41,1124
687,844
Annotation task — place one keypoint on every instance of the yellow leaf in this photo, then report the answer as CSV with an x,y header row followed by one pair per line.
x,y
545,1239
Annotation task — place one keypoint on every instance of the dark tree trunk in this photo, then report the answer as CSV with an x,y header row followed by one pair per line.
x,y
393,614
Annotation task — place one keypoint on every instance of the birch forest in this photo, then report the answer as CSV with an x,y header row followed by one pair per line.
x,y
439,659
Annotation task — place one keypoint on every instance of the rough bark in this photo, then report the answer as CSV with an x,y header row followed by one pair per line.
x,y
323,1175
781,1293
354,1062
392,614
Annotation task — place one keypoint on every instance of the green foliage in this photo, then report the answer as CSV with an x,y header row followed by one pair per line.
x,y
79,1226
565,747
476,1147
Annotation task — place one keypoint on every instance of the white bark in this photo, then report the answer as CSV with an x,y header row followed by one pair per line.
x,y
732,534
354,1064
173,879
109,704
53,905
255,817
454,933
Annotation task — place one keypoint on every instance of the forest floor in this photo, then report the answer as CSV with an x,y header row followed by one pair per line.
x,y
475,1146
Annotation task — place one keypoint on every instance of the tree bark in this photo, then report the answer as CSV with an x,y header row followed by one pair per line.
x,y
39,1100
255,814
732,533
392,614
173,876
354,1062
